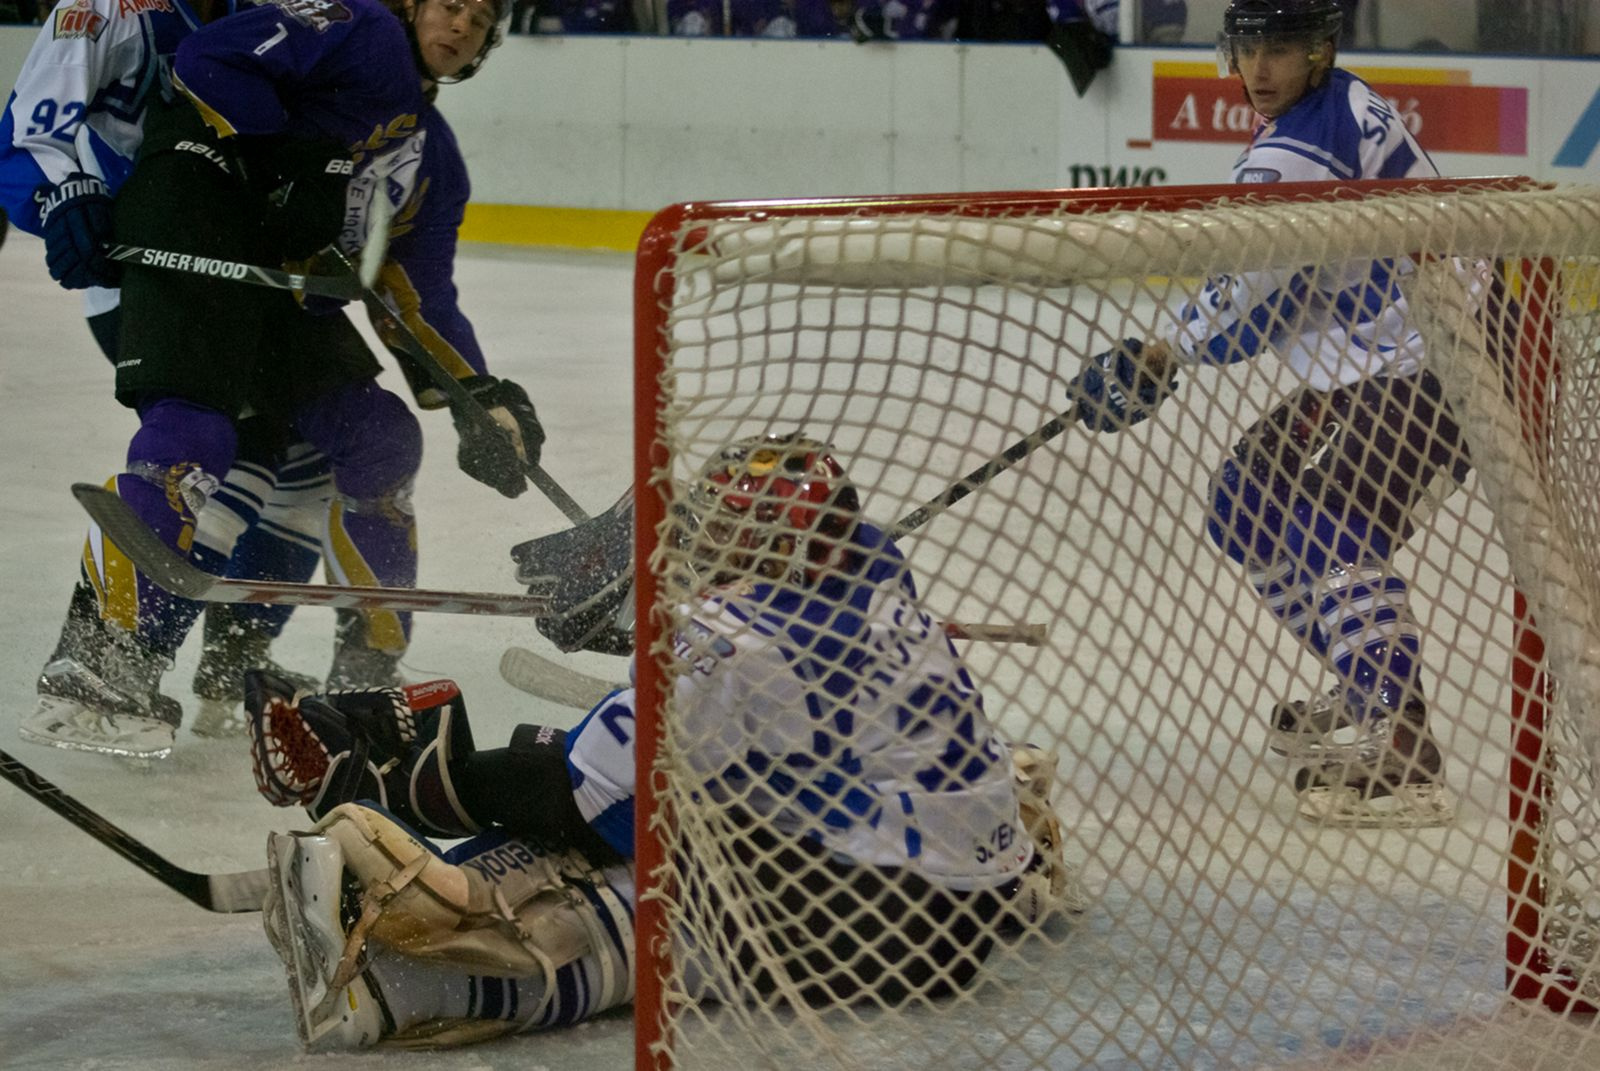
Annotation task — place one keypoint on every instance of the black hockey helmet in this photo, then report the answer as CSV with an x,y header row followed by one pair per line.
x,y
1255,20
497,34
1313,19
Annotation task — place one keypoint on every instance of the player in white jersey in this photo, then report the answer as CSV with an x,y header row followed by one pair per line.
x,y
805,618
1319,496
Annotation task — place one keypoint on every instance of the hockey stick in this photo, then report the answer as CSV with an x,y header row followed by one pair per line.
x,y
236,891
984,473
353,286
462,400
531,672
342,287
537,675
176,574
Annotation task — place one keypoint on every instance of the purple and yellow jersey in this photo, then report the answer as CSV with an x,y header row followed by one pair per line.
x,y
417,280
335,69
80,98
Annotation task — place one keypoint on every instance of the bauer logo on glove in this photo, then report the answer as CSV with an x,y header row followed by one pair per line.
x,y
1119,388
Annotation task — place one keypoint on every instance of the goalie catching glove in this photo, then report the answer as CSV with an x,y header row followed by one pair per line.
x,y
499,453
393,746
1119,388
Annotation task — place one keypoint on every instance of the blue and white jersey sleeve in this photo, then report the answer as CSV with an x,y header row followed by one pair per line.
x,y
1333,323
80,98
601,763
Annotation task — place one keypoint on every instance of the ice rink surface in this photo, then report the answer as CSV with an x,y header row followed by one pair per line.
x,y
102,968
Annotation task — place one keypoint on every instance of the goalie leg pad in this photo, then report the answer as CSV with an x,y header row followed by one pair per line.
x,y
1049,885
303,917
507,910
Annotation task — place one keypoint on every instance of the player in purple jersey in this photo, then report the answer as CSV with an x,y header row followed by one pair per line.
x,y
300,116
918,809
1320,495
68,137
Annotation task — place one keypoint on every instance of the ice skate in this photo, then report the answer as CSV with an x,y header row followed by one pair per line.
x,y
304,919
1310,728
233,646
358,666
98,692
1395,782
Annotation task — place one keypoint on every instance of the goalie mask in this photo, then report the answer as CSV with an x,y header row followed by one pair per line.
x,y
774,507
1261,22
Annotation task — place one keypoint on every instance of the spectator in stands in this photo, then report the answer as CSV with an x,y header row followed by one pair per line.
x,y
574,16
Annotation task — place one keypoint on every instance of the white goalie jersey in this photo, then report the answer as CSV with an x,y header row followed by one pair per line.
x,y
839,713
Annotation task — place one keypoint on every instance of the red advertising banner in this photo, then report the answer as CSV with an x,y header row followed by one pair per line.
x,y
1441,107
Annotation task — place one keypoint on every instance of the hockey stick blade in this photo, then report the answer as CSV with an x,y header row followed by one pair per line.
x,y
228,893
537,675
170,571
341,287
1029,635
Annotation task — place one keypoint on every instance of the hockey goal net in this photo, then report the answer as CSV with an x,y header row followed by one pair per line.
x,y
923,336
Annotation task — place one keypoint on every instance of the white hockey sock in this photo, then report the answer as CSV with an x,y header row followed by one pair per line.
x,y
416,992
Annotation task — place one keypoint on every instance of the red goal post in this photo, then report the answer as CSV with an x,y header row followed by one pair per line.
x,y
731,296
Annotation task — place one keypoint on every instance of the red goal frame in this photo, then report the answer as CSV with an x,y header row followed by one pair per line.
x,y
1529,974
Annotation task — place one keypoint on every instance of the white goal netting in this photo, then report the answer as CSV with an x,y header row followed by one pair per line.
x,y
1220,922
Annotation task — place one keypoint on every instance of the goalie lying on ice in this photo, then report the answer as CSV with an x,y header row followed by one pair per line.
x,y
875,790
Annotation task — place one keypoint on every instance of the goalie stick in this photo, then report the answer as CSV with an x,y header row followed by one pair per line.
x,y
176,574
232,892
531,672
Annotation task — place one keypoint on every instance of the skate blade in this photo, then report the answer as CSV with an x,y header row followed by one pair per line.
x,y
286,933
1417,806
320,1021
1338,745
65,724
218,719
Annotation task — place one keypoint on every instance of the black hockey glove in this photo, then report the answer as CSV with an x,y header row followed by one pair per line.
x,y
1115,390
304,182
75,216
498,454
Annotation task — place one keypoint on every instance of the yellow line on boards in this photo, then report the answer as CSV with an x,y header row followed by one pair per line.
x,y
570,228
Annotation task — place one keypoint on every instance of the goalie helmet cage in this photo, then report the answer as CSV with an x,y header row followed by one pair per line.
x,y
922,335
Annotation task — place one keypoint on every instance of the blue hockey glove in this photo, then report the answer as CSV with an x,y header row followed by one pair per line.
x,y
497,455
1113,390
75,215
